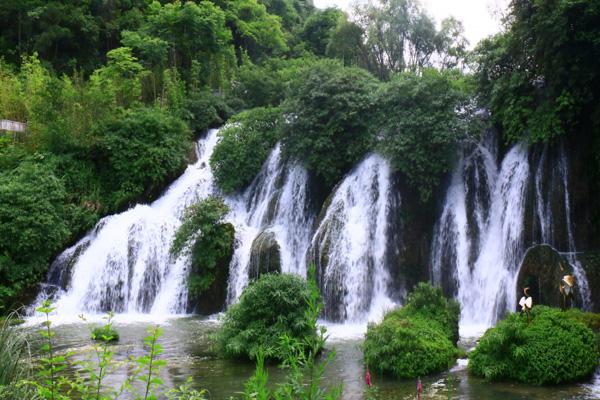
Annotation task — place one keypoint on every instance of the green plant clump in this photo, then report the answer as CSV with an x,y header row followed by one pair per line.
x,y
271,307
105,334
554,348
245,145
209,239
417,339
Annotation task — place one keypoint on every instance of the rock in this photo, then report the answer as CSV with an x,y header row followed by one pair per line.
x,y
265,255
541,272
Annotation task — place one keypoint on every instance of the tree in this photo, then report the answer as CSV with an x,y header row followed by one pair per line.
x,y
319,28
32,225
255,32
328,119
540,78
421,120
401,36
246,142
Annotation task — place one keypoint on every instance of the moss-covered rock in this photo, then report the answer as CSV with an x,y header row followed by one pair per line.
x,y
265,255
542,270
555,348
417,339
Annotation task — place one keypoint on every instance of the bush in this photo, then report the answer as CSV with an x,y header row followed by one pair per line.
x,y
245,144
554,348
417,339
105,334
144,148
204,110
420,125
328,119
13,352
32,226
210,241
271,307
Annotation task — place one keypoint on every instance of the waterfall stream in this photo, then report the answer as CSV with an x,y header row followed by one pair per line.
x,y
124,263
479,240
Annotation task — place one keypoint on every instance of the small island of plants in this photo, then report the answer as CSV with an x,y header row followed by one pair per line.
x,y
556,347
417,339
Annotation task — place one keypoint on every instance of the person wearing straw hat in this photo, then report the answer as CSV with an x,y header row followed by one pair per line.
x,y
566,288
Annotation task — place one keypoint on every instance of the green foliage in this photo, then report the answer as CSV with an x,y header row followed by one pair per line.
x,y
13,353
105,334
400,36
540,77
255,32
270,307
421,120
266,84
417,339
319,28
208,238
55,381
32,226
246,142
428,302
144,148
204,110
554,348
304,379
328,119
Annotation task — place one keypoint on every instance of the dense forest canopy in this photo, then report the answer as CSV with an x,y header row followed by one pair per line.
x,y
114,91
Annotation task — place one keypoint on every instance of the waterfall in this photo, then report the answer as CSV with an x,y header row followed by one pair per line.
x,y
276,202
480,240
349,245
124,263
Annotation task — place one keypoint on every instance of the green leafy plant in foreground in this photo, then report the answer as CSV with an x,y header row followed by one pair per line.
x,y
301,360
59,378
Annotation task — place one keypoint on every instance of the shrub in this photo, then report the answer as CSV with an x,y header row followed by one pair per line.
x,y
554,348
429,302
407,347
271,307
32,226
204,110
328,119
210,241
417,339
144,148
245,145
105,334
419,120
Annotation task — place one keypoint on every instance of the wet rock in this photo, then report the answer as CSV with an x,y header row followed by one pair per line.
x,y
265,255
542,270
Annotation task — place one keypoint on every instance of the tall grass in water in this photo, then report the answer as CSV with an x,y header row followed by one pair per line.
x,y
15,365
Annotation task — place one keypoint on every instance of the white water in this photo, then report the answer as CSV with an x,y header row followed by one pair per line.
x,y
127,266
487,251
277,202
349,245
479,240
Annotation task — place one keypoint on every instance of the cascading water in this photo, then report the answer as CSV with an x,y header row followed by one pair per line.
x,y
482,229
124,264
277,204
349,246
480,239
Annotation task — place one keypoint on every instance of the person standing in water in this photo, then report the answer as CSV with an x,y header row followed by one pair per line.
x,y
419,388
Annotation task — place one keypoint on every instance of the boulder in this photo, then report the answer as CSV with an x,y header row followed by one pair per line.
x,y
542,270
265,255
